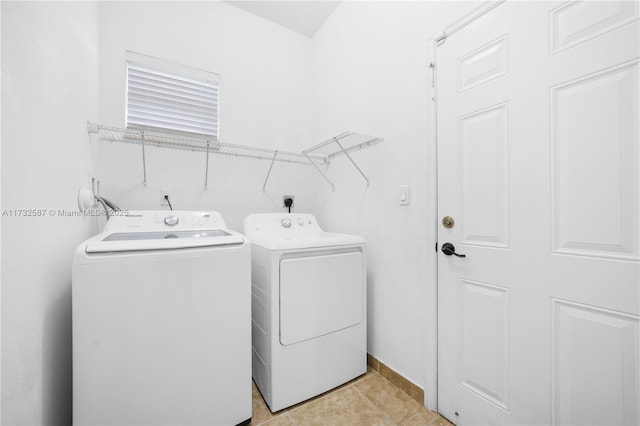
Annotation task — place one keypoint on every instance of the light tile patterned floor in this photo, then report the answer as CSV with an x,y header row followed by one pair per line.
x,y
368,400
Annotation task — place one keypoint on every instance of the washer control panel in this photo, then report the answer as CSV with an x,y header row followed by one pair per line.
x,y
186,219
161,220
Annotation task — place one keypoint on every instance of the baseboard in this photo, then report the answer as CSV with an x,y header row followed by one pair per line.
x,y
396,378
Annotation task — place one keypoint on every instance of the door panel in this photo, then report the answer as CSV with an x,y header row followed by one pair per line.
x,y
575,329
538,163
482,65
483,350
320,295
483,173
576,22
594,193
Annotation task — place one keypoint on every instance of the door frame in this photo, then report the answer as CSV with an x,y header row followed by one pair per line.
x,y
431,303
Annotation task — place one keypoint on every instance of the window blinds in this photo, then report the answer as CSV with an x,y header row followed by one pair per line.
x,y
161,100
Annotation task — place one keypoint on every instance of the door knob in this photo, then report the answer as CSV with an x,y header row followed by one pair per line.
x,y
449,249
448,222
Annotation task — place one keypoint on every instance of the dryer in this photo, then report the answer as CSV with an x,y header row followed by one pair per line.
x,y
161,322
308,307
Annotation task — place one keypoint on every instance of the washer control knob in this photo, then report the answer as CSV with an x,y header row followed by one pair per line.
x,y
300,221
286,222
171,220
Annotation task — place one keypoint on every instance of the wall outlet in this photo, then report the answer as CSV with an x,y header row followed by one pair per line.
x,y
163,201
284,197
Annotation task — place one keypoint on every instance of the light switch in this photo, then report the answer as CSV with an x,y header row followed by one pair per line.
x,y
405,196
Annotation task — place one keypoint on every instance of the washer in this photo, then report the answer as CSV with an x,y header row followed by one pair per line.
x,y
161,322
308,307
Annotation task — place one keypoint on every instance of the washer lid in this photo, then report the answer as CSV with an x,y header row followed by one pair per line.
x,y
162,240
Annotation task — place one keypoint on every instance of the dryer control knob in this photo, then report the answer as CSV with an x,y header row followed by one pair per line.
x,y
300,221
171,220
286,222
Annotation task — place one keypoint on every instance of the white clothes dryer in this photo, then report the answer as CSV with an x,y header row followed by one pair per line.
x,y
309,327
161,322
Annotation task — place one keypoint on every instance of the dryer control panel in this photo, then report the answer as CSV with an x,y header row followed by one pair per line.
x,y
283,225
280,231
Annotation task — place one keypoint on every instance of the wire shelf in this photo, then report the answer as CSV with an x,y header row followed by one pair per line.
x,y
193,143
346,142
322,153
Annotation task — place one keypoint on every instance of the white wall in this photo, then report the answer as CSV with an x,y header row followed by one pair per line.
x,y
57,59
371,75
265,102
49,90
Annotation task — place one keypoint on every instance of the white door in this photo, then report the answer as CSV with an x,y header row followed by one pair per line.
x,y
538,165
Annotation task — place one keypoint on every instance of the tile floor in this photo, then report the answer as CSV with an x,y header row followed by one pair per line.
x,y
368,400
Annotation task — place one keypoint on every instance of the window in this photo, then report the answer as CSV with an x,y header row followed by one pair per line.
x,y
163,96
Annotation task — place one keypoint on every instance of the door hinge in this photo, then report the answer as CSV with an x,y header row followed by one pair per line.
x,y
436,246
432,67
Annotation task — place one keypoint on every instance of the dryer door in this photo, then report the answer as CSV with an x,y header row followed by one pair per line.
x,y
320,295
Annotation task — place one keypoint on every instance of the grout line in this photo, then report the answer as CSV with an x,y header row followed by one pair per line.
x,y
329,392
411,414
291,419
384,413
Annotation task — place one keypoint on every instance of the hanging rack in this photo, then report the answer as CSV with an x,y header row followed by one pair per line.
x,y
347,142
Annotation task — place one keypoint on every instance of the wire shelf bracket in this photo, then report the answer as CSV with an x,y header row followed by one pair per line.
x,y
353,141
144,161
206,168
266,179
333,187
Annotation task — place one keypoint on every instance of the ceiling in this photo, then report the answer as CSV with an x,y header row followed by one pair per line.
x,y
304,17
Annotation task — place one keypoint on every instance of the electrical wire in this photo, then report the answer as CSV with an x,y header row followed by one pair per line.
x,y
104,205
111,204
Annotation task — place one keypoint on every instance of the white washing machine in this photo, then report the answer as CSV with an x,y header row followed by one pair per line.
x,y
308,293
162,322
